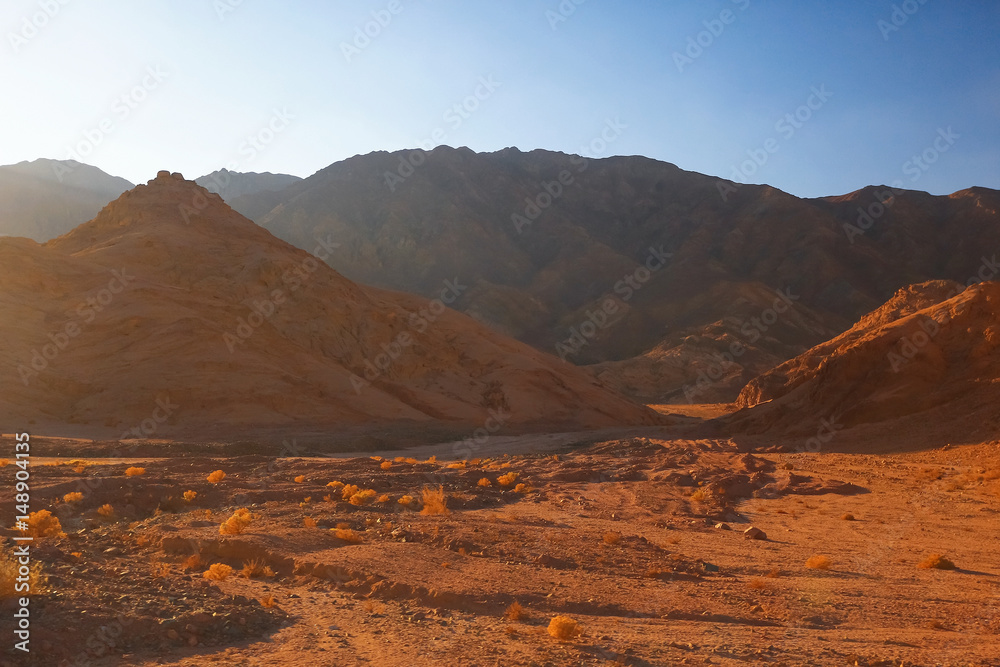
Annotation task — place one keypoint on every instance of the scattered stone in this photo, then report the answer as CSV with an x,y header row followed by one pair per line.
x,y
723,526
753,533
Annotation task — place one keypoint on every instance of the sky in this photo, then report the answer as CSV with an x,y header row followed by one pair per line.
x,y
815,97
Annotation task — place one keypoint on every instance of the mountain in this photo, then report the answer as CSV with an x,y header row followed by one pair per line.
x,y
232,184
665,282
926,364
171,314
45,198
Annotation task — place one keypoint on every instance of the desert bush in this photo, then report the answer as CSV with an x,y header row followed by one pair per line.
x,y
300,479
385,465
269,602
349,490
485,483
217,572
193,562
190,495
432,460
848,517
336,485
611,538
160,570
237,523
818,562
434,501
73,497
522,488
309,522
384,498
135,471
936,562
362,498
399,459
699,495
347,535
43,524
507,479
406,501
216,477
253,569
412,461
457,465
758,584
9,574
563,628
515,612
106,510
328,498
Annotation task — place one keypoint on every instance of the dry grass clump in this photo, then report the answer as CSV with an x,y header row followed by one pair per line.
x,y
773,574
758,584
9,573
848,517
269,602
237,523
611,538
135,471
218,572
300,479
336,485
216,477
385,465
522,488
73,497
563,628
936,562
347,535
190,495
106,510
384,498
160,570
252,569
406,501
309,522
485,483
515,612
362,498
43,524
699,495
457,465
193,562
818,562
507,479
349,490
434,501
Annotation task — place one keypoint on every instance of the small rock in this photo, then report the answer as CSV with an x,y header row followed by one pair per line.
x,y
753,533
723,526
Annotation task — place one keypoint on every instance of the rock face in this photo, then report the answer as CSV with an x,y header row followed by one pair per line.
x,y
172,312
45,198
545,240
932,351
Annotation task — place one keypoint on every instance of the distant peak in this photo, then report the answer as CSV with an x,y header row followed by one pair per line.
x,y
166,175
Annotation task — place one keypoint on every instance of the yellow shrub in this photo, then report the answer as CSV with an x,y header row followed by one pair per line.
x,y
412,461
336,485
43,524
434,501
106,510
190,495
218,572
507,479
193,562
237,523
309,522
349,490
522,488
73,497
216,477
818,562
362,498
457,465
399,459
384,498
9,573
255,568
485,483
347,535
515,612
406,501
300,479
563,628
269,602
135,471
936,562
386,465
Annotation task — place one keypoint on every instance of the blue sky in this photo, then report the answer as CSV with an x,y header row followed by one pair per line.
x,y
199,77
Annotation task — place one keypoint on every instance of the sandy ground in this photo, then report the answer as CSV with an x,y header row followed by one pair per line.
x,y
620,535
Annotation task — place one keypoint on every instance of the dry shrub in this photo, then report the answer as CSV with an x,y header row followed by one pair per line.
x,y
329,499
309,522
190,495
336,485
507,479
375,458
773,574
193,562
434,501
253,569
457,465
218,572
385,465
399,459
563,628
160,570
848,517
406,501
79,470
216,477
612,538
699,495
306,501
384,498
300,479
522,488
758,584
43,524
412,461
515,612
73,497
269,602
363,498
237,523
347,535
818,562
432,460
135,471
106,510
485,483
9,573
936,562
510,631
349,490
